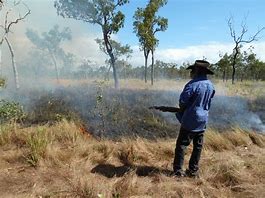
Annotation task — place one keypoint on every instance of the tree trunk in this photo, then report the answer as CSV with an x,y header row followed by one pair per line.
x,y
13,62
115,76
224,75
146,54
112,58
152,69
233,73
0,60
55,65
145,69
234,64
107,75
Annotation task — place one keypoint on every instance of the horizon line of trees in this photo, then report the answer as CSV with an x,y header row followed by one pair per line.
x,y
106,14
38,64
248,67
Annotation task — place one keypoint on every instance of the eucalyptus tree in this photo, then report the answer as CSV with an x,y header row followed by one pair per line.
x,y
141,28
50,42
146,25
239,40
10,20
104,13
118,49
255,67
223,65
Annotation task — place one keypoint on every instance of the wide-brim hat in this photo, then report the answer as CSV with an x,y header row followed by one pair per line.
x,y
203,65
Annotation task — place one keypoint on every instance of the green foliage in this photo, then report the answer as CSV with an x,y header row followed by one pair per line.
x,y
101,12
49,108
10,111
118,49
37,144
2,82
49,40
147,24
248,67
223,66
95,12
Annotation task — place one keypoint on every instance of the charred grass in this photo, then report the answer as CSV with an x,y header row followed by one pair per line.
x,y
60,161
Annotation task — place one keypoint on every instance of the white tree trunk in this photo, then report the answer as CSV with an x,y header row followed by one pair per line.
x,y
0,60
1,44
13,62
55,65
152,68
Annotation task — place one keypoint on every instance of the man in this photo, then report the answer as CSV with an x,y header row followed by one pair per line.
x,y
194,103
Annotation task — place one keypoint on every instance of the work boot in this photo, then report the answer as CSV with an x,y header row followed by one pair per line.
x,y
178,173
192,174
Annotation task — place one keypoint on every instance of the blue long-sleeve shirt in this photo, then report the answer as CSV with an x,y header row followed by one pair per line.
x,y
195,100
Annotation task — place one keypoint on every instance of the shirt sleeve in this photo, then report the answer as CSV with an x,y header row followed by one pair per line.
x,y
185,96
213,93
179,116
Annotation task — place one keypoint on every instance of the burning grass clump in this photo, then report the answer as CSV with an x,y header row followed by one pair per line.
x,y
113,114
104,111
257,105
49,109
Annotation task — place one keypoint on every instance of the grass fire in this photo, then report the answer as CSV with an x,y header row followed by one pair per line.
x,y
130,99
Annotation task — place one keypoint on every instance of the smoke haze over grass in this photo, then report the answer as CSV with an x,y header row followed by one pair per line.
x,y
115,113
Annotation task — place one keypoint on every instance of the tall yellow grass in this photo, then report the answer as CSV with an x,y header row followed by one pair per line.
x,y
60,161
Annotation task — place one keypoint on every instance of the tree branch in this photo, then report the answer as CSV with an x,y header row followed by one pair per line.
x,y
17,20
254,37
231,28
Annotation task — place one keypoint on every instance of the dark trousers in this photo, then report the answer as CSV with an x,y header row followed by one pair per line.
x,y
184,139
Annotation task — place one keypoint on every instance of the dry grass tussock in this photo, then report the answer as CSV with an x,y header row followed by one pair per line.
x,y
60,161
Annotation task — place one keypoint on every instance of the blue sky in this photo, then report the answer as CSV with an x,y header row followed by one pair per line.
x,y
197,29
195,22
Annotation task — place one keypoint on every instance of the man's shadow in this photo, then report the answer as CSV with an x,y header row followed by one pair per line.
x,y
109,170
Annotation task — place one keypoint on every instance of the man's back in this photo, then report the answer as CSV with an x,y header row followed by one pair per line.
x,y
196,101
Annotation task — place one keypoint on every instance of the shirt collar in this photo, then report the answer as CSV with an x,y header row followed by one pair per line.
x,y
202,77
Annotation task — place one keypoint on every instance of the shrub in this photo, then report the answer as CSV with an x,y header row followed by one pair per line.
x,y
2,82
10,111
37,143
49,108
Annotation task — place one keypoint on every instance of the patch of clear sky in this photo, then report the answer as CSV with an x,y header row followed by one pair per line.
x,y
195,22
191,22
